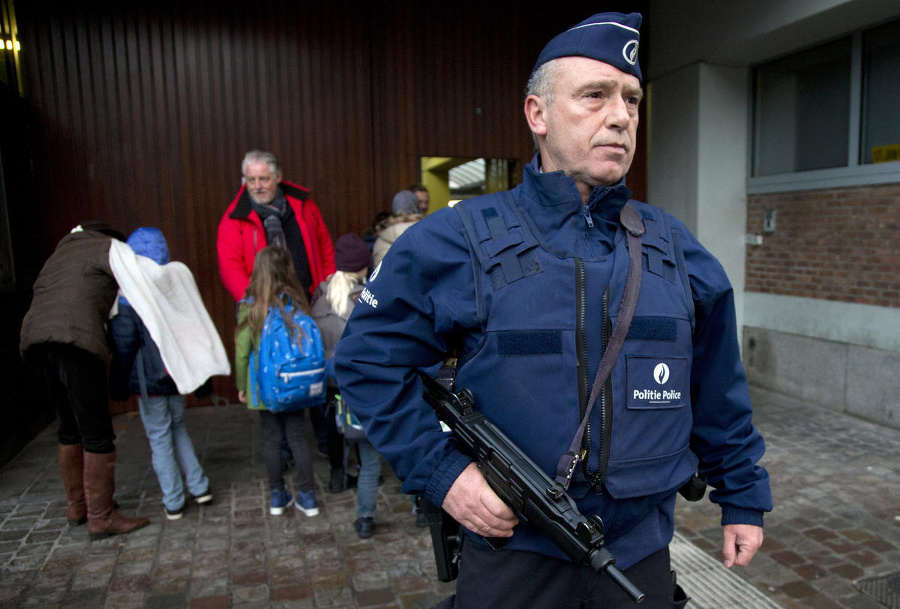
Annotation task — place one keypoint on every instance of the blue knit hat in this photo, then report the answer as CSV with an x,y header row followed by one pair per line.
x,y
149,241
612,38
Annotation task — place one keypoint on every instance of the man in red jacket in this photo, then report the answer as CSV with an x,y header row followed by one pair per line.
x,y
269,211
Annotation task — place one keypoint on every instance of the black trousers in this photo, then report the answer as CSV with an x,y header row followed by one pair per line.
x,y
525,580
290,426
75,382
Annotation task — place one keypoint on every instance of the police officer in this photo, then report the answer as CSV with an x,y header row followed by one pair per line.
x,y
527,288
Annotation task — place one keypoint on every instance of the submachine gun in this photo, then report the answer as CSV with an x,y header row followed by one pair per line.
x,y
532,495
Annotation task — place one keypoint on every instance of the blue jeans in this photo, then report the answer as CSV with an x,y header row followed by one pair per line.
x,y
367,486
163,418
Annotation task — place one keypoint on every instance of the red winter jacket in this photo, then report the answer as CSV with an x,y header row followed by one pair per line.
x,y
241,235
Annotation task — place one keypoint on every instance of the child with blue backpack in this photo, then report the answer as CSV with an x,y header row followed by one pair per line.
x,y
275,291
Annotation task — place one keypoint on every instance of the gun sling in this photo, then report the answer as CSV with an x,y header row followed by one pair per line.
x,y
634,228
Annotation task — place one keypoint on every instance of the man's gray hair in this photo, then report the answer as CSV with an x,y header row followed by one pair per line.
x,y
542,81
260,156
541,85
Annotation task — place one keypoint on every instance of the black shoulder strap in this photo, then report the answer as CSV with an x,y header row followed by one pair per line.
x,y
634,228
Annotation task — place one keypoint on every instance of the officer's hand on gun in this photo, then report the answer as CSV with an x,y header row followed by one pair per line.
x,y
473,504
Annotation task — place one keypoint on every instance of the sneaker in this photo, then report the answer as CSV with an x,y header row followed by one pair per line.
x,y
175,514
204,498
364,527
306,503
280,500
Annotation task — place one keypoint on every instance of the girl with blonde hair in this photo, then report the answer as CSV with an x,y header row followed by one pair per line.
x,y
333,302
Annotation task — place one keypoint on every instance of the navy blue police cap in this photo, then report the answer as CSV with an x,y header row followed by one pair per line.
x,y
612,38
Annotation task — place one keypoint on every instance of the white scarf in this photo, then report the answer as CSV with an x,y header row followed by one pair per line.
x,y
167,300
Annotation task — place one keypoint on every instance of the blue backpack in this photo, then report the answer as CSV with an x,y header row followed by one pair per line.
x,y
291,373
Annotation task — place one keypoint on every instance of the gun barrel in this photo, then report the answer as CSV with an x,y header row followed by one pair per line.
x,y
630,589
603,562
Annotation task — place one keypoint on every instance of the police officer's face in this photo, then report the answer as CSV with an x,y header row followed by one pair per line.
x,y
262,184
590,127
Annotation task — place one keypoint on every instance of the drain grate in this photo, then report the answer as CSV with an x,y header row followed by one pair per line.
x,y
884,589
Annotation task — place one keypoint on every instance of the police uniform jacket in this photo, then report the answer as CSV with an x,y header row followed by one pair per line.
x,y
525,288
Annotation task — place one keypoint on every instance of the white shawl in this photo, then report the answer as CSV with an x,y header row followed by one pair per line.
x,y
167,300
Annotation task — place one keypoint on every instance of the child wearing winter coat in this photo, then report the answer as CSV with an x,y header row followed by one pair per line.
x,y
273,284
137,368
334,301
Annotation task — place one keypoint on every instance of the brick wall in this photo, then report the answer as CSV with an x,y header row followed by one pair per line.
x,y
837,244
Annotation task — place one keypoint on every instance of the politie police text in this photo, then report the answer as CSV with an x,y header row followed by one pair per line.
x,y
653,394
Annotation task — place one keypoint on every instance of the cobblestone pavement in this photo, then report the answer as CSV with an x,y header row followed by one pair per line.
x,y
836,526
835,529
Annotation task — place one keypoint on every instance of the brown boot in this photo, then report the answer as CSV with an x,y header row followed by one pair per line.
x,y
71,470
99,483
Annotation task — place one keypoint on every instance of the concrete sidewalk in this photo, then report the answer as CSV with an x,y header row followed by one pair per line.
x,y
833,540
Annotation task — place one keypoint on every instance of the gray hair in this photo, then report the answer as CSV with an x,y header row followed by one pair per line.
x,y
260,156
541,84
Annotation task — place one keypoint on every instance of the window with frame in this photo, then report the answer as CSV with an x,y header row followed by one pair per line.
x,y
801,111
880,125
829,113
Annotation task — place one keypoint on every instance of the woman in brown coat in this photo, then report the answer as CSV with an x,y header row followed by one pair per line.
x,y
64,337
